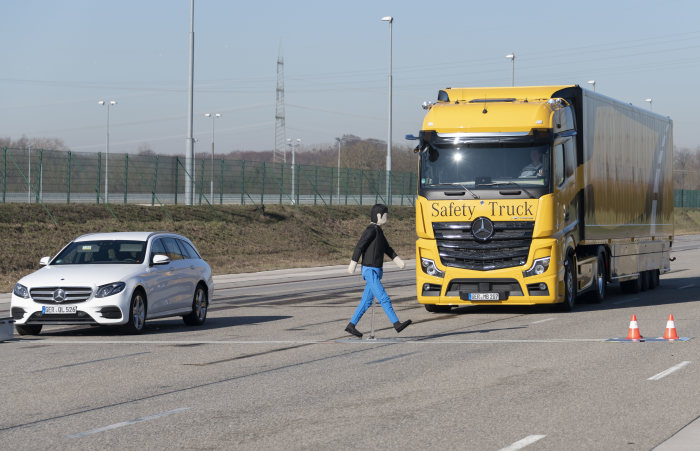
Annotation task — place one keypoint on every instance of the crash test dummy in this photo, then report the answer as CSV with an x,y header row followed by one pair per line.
x,y
371,247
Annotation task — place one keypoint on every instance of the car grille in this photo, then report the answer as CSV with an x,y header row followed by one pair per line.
x,y
508,246
44,295
63,318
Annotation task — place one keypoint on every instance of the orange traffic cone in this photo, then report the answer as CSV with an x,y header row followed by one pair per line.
x,y
633,333
670,333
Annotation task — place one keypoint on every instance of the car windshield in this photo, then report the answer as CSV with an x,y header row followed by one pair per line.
x,y
102,252
483,166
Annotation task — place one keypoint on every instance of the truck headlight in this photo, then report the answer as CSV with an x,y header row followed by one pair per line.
x,y
110,289
539,266
21,291
430,269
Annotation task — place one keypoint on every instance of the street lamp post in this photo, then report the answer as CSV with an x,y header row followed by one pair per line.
x,y
650,107
108,104
292,145
592,82
213,117
388,145
29,177
339,141
511,57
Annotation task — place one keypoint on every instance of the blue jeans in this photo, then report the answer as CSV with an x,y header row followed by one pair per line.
x,y
374,289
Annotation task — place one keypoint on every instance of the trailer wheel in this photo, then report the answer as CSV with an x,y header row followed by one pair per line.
x,y
645,276
632,286
601,280
433,308
654,279
569,285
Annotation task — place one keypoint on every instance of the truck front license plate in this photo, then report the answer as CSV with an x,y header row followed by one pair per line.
x,y
484,296
58,309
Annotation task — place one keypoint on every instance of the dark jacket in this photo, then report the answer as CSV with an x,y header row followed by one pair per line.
x,y
372,246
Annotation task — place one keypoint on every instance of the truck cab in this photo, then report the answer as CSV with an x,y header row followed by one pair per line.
x,y
501,208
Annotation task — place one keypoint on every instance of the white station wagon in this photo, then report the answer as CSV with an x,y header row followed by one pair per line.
x,y
120,278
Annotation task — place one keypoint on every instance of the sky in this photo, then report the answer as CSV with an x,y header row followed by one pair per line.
x,y
62,57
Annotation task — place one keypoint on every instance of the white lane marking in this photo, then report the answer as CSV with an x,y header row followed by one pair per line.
x,y
665,373
419,340
520,444
127,423
686,286
543,321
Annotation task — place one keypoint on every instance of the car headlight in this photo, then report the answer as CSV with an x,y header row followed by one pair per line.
x,y
110,289
539,266
430,268
21,291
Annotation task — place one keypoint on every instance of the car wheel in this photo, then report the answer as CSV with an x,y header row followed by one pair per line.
x,y
137,313
199,308
28,329
600,280
569,285
433,308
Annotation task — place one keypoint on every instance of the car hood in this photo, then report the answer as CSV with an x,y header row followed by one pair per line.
x,y
80,275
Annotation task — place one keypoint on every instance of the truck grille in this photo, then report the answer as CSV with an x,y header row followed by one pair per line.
x,y
73,295
507,247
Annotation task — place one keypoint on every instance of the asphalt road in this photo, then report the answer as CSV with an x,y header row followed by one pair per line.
x,y
273,369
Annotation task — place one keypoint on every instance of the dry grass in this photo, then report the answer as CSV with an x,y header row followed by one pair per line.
x,y
686,221
233,239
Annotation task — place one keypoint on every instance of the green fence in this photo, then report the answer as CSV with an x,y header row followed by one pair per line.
x,y
686,198
70,177
50,176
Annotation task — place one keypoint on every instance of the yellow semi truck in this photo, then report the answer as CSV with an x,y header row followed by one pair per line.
x,y
536,195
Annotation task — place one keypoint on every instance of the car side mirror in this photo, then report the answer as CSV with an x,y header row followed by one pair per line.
x,y
160,259
44,261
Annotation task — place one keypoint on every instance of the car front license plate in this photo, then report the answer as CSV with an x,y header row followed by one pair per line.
x,y
58,309
484,297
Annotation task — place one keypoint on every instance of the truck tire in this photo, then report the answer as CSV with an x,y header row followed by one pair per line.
x,y
569,285
632,286
601,280
654,279
432,308
645,280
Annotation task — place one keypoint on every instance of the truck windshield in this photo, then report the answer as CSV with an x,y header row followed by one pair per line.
x,y
486,166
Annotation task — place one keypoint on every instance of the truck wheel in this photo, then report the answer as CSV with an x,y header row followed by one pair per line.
x,y
432,308
632,286
645,280
655,278
569,285
28,329
600,280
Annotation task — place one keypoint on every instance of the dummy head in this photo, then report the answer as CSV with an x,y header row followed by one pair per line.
x,y
379,214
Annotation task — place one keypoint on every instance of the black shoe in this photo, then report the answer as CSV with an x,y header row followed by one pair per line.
x,y
351,330
399,326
